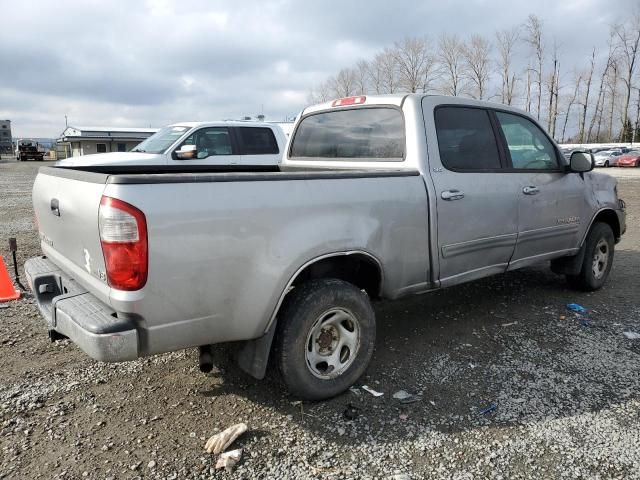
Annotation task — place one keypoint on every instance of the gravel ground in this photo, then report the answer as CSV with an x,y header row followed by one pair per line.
x,y
510,385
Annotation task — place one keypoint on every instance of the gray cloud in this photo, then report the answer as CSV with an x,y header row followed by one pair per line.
x,y
155,62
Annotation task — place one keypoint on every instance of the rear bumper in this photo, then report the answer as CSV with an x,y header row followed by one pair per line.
x,y
72,311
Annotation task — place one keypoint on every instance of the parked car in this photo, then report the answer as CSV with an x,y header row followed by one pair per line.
x,y
631,159
198,143
606,158
376,197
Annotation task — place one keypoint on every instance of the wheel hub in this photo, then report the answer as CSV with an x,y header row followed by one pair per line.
x,y
332,343
326,340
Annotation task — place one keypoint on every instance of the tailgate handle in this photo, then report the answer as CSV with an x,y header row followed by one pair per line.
x,y
55,207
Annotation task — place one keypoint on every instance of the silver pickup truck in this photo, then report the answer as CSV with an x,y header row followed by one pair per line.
x,y
376,197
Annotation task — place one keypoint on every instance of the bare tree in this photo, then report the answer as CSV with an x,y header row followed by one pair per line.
x,y
412,58
450,51
476,54
572,101
612,85
507,40
528,100
533,27
387,69
376,77
628,41
585,102
597,116
344,83
361,77
321,94
552,85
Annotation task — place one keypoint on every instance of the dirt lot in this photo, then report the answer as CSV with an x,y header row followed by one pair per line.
x,y
566,390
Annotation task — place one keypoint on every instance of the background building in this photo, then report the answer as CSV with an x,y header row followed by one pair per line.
x,y
77,141
6,147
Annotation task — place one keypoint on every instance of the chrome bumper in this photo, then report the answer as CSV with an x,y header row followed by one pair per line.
x,y
72,311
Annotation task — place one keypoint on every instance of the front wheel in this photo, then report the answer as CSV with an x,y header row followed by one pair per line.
x,y
325,339
598,258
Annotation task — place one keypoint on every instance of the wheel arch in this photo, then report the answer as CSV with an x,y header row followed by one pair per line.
x,y
608,216
358,267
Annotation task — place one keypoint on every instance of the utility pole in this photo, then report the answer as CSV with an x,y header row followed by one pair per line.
x,y
65,121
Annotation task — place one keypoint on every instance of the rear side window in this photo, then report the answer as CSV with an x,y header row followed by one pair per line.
x,y
465,139
367,133
257,141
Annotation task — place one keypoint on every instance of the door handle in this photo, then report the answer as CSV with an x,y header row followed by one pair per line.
x,y
530,190
452,195
55,207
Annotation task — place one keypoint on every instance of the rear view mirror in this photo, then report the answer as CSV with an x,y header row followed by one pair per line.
x,y
581,162
186,152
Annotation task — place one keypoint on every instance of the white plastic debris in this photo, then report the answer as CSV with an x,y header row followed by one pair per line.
x,y
509,324
229,459
372,391
632,335
402,395
220,441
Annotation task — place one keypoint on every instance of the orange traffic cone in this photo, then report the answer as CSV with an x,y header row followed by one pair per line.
x,y
7,290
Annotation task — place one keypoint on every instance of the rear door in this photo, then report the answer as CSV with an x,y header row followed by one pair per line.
x,y
257,146
551,201
476,201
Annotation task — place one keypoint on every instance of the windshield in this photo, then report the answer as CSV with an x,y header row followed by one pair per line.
x,y
161,140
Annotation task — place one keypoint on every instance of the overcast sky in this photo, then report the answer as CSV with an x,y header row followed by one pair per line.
x,y
142,63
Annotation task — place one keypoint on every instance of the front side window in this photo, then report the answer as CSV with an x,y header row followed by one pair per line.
x,y
528,146
465,139
361,133
210,142
257,141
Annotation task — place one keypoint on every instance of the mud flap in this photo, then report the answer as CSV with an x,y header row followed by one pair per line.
x,y
569,265
253,355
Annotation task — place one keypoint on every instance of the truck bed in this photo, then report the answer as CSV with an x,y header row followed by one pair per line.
x,y
224,243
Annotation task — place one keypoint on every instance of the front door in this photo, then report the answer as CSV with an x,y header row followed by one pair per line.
x,y
214,147
476,203
550,200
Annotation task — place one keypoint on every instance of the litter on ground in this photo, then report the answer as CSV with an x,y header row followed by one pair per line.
x,y
574,307
372,391
219,442
632,335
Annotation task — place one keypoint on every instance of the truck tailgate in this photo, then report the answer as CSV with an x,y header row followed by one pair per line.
x,y
66,210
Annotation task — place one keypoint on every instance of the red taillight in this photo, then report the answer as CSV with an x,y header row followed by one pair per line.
x,y
341,102
123,235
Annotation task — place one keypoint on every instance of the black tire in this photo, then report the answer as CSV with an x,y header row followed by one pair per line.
x,y
592,276
606,164
308,311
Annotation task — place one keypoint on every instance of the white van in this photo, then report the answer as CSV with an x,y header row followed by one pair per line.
x,y
199,143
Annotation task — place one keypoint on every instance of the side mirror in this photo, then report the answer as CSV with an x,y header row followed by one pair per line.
x,y
186,152
581,162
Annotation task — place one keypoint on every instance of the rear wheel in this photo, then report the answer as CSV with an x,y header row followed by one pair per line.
x,y
598,258
326,337
606,164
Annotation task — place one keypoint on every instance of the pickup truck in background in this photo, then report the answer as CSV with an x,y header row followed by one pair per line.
x,y
198,144
376,197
